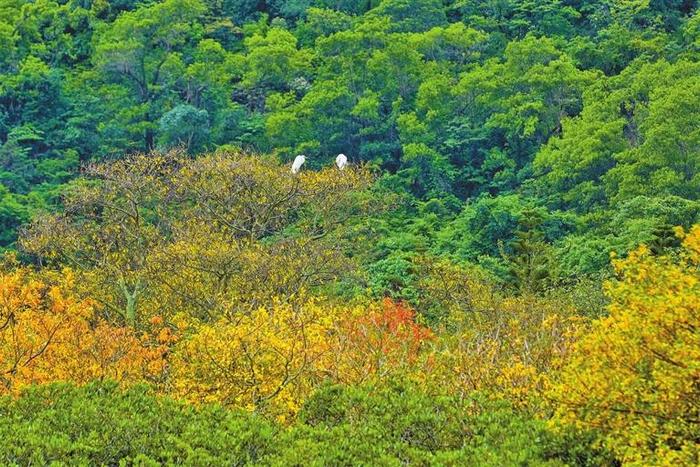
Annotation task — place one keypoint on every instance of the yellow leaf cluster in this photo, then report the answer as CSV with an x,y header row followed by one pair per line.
x,y
167,235
491,342
265,360
377,341
636,374
271,359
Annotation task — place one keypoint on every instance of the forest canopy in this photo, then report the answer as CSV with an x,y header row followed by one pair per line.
x,y
501,269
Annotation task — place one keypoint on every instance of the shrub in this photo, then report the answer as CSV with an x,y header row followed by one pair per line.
x,y
100,424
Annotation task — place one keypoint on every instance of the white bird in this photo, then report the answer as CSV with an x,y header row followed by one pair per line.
x,y
298,162
341,161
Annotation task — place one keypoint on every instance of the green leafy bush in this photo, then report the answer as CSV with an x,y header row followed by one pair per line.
x,y
393,423
397,423
100,424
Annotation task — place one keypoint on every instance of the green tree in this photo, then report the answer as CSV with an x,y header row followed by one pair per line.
x,y
184,126
638,139
412,16
138,58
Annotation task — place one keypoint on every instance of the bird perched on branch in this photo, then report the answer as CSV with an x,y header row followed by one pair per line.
x,y
298,162
341,161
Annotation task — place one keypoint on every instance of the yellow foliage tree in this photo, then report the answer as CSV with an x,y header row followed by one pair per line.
x,y
163,234
265,360
636,374
207,275
377,341
271,359
505,345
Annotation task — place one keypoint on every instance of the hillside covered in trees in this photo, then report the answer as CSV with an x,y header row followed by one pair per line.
x,y
505,273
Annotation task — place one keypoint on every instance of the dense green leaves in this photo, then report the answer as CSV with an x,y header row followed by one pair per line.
x,y
101,424
394,424
637,135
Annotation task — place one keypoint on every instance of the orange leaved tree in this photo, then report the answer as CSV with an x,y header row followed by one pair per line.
x,y
375,342
47,334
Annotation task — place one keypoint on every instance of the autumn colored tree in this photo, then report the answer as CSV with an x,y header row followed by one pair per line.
x,y
162,234
493,342
635,375
272,359
112,220
47,333
264,361
377,342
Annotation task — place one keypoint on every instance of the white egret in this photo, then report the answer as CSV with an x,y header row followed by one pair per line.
x,y
341,161
298,162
